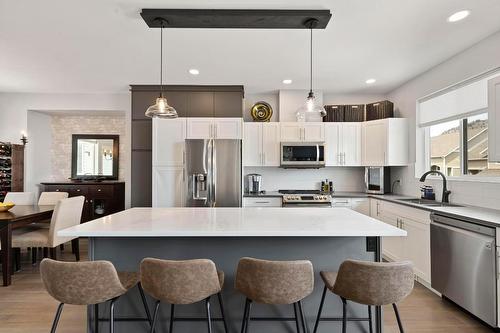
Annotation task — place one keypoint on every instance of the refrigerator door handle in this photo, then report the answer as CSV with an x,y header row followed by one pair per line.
x,y
214,173
208,167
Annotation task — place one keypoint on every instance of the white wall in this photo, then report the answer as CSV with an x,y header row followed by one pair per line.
x,y
481,57
344,179
15,106
38,166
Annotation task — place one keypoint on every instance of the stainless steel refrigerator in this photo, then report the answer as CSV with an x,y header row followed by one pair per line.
x,y
213,170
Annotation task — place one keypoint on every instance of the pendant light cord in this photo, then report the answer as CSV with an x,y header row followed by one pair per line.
x,y
161,60
311,68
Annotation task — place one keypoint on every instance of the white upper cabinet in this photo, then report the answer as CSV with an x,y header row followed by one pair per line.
x,y
343,144
214,128
168,141
199,128
494,120
261,144
302,132
271,144
252,144
385,142
227,128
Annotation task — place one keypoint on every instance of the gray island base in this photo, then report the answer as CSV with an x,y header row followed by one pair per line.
x,y
326,253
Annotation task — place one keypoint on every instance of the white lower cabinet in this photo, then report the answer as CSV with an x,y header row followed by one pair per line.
x,y
361,205
168,186
416,246
262,202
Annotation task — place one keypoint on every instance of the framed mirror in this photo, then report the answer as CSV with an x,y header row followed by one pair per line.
x,y
94,156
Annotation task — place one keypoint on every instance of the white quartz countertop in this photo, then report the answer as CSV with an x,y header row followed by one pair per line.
x,y
234,222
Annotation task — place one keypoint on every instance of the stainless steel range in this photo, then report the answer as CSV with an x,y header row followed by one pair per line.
x,y
306,198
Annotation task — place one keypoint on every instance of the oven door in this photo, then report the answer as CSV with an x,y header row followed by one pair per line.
x,y
302,155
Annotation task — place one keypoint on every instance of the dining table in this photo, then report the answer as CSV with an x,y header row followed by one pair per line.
x,y
17,217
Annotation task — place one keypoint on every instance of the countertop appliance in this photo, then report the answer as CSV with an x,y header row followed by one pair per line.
x,y
303,155
213,169
464,265
377,180
254,183
306,198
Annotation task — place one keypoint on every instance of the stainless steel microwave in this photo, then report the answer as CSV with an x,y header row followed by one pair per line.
x,y
377,180
303,155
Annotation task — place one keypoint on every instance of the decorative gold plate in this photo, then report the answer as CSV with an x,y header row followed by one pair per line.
x,y
261,111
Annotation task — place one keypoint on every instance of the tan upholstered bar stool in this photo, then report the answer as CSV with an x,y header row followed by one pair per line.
x,y
87,283
368,283
182,282
274,283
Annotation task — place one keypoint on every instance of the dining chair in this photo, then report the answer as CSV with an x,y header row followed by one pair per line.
x,y
67,213
20,198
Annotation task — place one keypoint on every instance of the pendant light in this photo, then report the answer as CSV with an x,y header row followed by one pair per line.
x,y
161,109
311,106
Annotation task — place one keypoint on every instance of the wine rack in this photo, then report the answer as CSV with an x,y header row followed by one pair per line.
x,y
11,168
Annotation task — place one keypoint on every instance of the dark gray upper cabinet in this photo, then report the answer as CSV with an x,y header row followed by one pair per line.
x,y
141,100
228,104
141,135
178,100
201,104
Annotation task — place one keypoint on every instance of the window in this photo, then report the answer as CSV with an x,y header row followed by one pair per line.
x,y
460,147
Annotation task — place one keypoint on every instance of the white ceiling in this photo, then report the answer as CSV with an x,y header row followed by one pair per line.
x,y
103,45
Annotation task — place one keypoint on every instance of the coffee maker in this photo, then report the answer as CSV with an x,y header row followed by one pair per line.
x,y
254,183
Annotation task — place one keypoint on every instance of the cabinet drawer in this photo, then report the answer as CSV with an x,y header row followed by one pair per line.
x,y
77,190
101,192
56,188
262,202
341,202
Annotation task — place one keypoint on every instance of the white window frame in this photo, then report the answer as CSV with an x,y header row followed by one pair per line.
x,y
422,140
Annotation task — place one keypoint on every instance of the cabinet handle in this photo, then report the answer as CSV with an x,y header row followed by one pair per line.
x,y
99,190
215,131
78,190
263,158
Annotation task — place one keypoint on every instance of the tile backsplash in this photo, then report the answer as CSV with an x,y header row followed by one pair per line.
x,y
344,179
64,126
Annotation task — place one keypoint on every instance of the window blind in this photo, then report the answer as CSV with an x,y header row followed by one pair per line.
x,y
456,103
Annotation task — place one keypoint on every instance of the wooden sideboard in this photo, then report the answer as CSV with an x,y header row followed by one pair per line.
x,y
101,198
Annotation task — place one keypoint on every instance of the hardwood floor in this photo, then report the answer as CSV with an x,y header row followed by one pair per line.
x,y
25,307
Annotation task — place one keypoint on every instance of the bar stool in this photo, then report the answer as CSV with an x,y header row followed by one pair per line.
x,y
182,282
368,283
87,283
274,283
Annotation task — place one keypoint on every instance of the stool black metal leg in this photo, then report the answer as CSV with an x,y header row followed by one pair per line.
x,y
172,315
209,318
144,302
248,315
370,322
296,317
396,312
56,319
96,318
112,315
221,304
344,315
320,309
305,327
155,316
243,322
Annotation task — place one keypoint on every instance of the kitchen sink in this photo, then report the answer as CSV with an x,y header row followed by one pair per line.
x,y
428,203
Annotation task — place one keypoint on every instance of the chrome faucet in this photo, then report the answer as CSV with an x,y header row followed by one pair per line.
x,y
446,192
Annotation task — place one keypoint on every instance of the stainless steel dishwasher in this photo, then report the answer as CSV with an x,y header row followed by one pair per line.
x,y
463,265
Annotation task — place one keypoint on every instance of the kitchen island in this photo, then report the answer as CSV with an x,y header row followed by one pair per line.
x,y
326,237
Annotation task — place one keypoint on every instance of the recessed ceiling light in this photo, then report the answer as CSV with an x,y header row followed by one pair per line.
x,y
458,16
287,81
194,71
370,81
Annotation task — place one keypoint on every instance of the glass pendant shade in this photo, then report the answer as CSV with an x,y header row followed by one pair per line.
x,y
311,106
161,109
